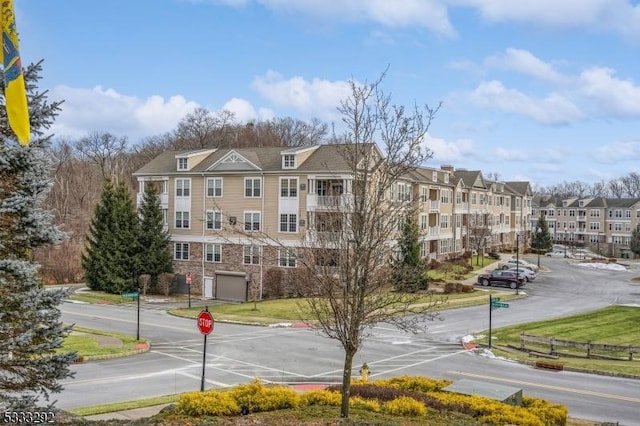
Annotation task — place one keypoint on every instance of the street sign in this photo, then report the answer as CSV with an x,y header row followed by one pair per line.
x,y
188,278
132,295
495,299
205,322
499,305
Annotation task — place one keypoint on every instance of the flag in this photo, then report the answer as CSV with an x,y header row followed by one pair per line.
x,y
15,94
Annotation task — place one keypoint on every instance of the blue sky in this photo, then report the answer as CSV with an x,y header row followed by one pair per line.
x,y
545,91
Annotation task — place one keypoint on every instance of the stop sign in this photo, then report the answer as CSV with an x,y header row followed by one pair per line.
x,y
205,322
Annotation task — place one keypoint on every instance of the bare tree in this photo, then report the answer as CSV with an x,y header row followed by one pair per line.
x,y
480,231
294,132
107,151
616,188
346,264
631,184
204,129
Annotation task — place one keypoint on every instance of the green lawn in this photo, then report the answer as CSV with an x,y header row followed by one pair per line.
x,y
291,310
99,297
616,325
88,342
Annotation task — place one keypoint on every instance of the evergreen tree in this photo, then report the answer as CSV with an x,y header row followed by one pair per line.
x,y
112,257
542,241
154,240
30,326
95,259
409,268
634,243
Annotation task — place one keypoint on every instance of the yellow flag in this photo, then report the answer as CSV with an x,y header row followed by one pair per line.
x,y
15,94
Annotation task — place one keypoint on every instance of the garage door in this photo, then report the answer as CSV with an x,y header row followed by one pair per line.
x,y
231,286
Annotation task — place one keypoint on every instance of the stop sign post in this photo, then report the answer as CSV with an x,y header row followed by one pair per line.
x,y
205,325
187,279
205,322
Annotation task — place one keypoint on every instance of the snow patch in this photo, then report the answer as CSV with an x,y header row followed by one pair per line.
x,y
601,265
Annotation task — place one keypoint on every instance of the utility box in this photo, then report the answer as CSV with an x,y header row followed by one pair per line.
x,y
506,394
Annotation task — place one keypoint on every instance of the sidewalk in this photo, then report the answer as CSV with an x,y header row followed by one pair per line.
x,y
136,413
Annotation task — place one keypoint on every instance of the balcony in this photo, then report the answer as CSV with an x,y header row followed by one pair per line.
x,y
434,205
163,198
343,202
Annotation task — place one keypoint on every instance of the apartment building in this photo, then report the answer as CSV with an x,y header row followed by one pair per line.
x,y
604,225
290,196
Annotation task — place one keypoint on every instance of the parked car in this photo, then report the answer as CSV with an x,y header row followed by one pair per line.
x,y
501,278
527,273
512,263
493,255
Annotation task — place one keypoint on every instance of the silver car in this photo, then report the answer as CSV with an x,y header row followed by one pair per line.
x,y
527,273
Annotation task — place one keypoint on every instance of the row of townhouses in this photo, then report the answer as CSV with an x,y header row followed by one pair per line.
x,y
286,193
604,225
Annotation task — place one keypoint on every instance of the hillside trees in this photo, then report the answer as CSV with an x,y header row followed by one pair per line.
x,y
30,326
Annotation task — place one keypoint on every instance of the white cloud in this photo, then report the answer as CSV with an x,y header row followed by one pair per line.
x,y
95,110
510,155
526,63
431,14
612,96
616,152
553,109
318,98
621,17
450,150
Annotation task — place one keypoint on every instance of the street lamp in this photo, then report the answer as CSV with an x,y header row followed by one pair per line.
x,y
538,238
598,244
517,264
565,241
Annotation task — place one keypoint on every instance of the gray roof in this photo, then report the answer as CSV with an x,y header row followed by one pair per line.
x,y
326,158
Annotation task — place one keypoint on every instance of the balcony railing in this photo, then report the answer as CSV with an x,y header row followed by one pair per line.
x,y
329,202
163,199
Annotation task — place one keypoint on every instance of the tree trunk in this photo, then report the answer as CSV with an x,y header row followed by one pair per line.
x,y
346,382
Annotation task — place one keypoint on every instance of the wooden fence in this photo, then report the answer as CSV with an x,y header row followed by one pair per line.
x,y
589,347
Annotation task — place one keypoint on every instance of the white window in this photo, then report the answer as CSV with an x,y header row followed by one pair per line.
x,y
181,251
424,194
473,198
182,220
251,221
594,226
214,187
183,187
183,164
423,249
594,213
289,188
288,223
434,176
444,221
214,219
446,178
444,246
288,161
444,196
424,222
251,255
213,253
252,187
627,214
287,258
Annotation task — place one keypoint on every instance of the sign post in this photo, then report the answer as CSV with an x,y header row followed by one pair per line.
x,y
205,325
494,303
188,280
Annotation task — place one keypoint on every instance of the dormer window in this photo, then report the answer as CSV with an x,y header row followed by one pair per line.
x,y
434,176
183,164
446,178
289,161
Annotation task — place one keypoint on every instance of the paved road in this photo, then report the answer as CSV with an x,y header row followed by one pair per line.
x,y
237,354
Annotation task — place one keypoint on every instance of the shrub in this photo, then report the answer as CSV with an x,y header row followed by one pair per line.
x,y
405,406
273,287
549,413
255,397
321,397
364,404
210,403
419,384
